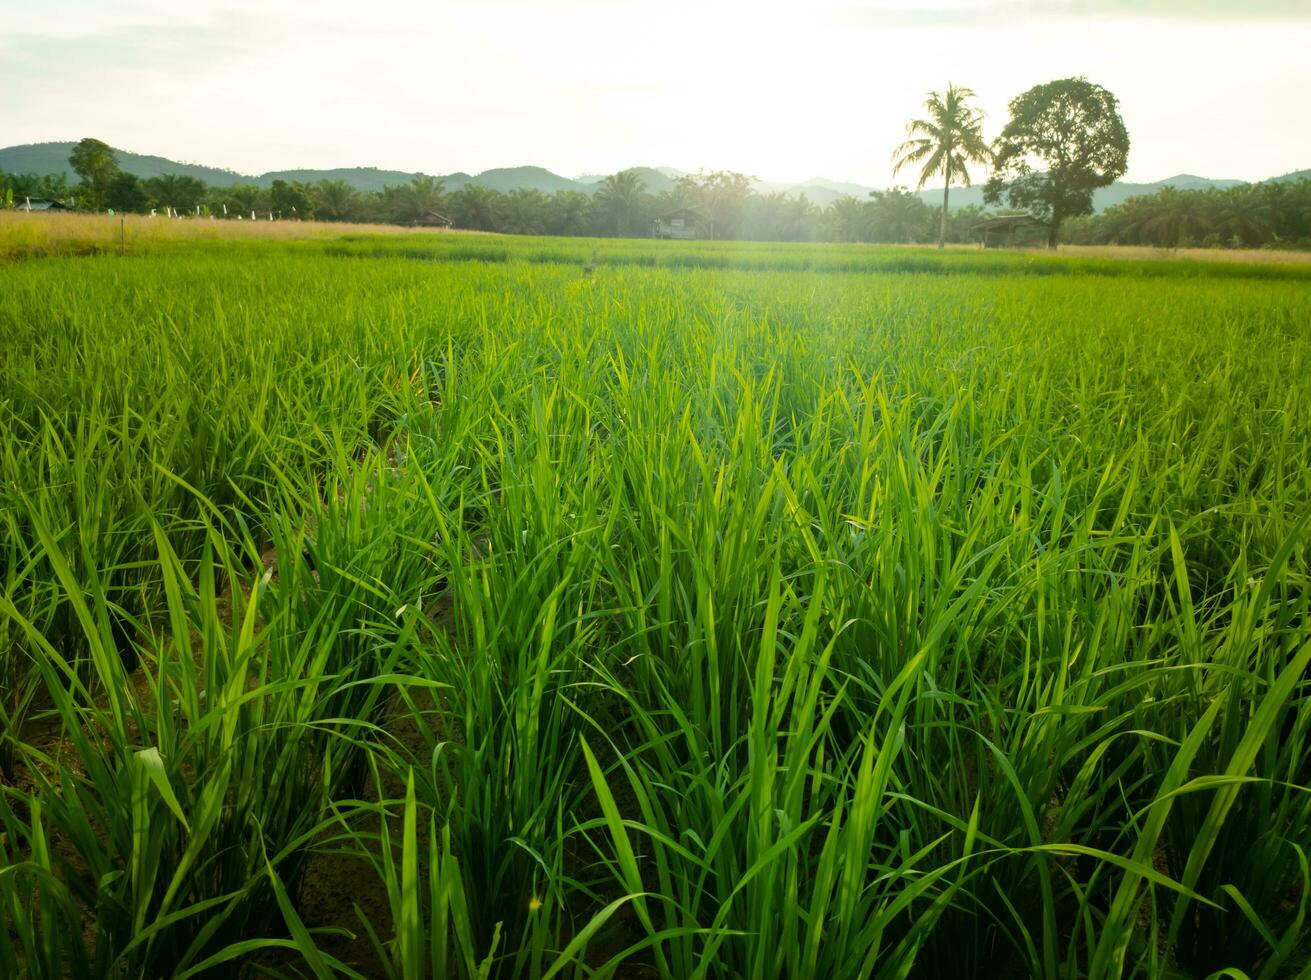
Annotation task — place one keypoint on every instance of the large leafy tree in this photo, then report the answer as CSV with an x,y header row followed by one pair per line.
x,y
95,163
721,196
126,193
1064,140
944,143
292,200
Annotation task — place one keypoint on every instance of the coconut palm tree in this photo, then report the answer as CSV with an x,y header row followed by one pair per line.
x,y
946,142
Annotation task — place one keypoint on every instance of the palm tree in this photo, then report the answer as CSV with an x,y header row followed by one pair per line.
x,y
850,219
477,208
897,215
176,191
620,196
1177,218
946,142
338,200
421,195
1242,214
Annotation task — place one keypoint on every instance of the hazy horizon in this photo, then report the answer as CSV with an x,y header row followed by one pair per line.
x,y
784,92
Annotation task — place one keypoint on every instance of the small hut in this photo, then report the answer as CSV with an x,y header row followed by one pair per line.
x,y
432,219
39,204
1010,231
681,224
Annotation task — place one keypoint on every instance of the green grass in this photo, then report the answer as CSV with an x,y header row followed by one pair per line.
x,y
779,257
742,611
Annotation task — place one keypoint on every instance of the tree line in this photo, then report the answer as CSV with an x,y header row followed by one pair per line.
x,y
1064,140
620,206
1275,213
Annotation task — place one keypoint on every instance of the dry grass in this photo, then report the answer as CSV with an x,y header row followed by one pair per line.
x,y
37,233
45,233
1139,252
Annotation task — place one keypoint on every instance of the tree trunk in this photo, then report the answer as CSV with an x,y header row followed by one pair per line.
x,y
1053,230
942,228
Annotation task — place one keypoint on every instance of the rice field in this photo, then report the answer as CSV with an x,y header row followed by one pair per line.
x,y
430,606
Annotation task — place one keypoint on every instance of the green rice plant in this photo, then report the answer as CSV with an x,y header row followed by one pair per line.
x,y
734,610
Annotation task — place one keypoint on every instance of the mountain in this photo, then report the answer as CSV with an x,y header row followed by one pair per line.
x,y
819,191
361,178
1190,182
823,192
1103,198
47,158
52,158
657,179
506,179
1289,177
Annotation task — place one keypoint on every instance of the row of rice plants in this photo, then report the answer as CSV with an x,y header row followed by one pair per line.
x,y
701,623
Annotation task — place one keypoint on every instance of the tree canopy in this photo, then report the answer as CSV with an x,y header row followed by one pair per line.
x,y
95,163
619,198
1064,140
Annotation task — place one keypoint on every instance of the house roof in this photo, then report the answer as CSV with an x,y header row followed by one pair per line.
x,y
681,213
433,217
39,204
1007,221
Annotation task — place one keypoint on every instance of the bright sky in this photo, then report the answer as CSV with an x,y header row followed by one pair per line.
x,y
782,91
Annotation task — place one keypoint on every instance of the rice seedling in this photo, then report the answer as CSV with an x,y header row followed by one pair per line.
x,y
737,611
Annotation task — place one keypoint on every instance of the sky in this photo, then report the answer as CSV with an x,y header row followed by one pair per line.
x,y
781,91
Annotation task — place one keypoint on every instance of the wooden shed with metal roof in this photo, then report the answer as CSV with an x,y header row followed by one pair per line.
x,y
39,204
432,219
1010,231
683,223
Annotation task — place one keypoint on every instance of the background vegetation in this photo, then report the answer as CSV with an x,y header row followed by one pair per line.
x,y
1065,141
1275,213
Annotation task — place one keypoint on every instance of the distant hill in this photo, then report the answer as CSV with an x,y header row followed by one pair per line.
x,y
361,178
506,179
52,158
657,179
48,158
824,192
1103,198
